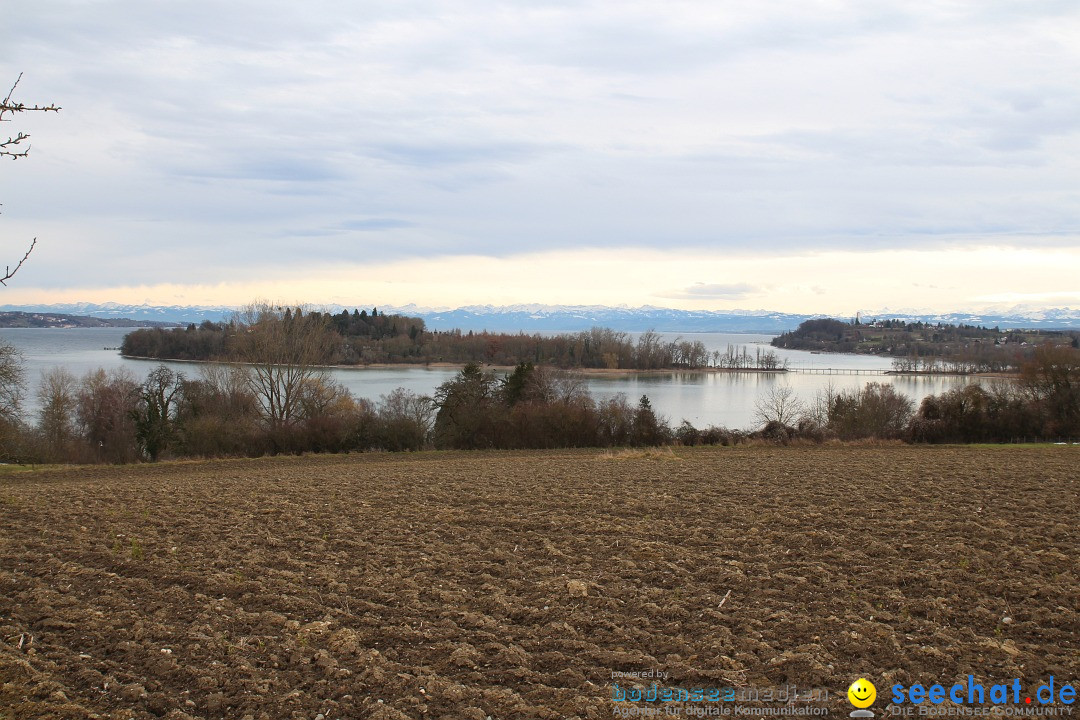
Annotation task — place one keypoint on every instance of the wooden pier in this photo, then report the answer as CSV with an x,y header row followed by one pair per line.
x,y
838,371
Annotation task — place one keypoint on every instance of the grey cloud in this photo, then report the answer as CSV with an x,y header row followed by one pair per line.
x,y
373,225
432,154
649,43
713,291
377,224
266,134
272,169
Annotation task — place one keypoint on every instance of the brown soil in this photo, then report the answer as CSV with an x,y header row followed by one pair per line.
x,y
512,585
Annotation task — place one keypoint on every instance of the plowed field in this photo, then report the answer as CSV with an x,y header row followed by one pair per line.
x,y
513,585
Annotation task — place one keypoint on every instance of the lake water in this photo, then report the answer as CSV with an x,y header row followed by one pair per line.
x,y
725,399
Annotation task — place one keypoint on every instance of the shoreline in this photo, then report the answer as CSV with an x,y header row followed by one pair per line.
x,y
443,365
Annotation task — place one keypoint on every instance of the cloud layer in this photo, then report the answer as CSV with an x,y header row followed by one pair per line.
x,y
205,143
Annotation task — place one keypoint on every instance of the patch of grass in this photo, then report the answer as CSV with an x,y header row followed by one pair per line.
x,y
11,469
1010,446
136,549
650,453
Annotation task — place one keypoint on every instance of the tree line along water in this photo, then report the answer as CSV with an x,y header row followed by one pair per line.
x,y
703,399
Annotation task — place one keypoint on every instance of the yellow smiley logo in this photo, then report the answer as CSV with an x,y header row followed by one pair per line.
x,y
862,693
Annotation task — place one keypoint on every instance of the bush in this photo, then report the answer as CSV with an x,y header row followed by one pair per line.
x,y
470,415
1051,379
218,415
974,414
687,434
105,408
404,421
876,411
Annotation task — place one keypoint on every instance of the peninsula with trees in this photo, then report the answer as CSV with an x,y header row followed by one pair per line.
x,y
918,346
361,337
15,319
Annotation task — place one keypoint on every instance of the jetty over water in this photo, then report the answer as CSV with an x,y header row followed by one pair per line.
x,y
838,371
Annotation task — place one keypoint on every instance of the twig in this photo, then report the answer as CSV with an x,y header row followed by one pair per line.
x,y
11,92
724,600
11,141
9,273
10,107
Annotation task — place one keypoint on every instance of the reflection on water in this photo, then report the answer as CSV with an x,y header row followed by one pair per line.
x,y
708,398
728,399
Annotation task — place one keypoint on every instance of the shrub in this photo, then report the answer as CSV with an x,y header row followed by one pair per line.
x,y
1051,379
975,414
404,421
876,411
105,408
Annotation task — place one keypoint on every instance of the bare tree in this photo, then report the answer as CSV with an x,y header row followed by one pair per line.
x,y
824,402
105,410
551,385
155,414
282,349
12,385
1051,377
12,381
221,391
648,351
58,394
405,420
779,404
405,405
877,410
15,147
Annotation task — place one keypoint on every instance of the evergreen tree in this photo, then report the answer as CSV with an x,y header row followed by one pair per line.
x,y
515,384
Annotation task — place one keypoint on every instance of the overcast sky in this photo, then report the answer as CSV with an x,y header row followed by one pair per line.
x,y
799,156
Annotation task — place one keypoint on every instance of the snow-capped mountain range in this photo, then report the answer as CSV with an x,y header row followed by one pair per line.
x,y
566,318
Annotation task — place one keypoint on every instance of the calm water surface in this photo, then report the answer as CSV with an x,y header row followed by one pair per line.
x,y
702,398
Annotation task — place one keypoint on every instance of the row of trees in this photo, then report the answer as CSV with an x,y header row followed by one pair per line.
x,y
110,417
359,338
230,411
537,408
927,347
1044,404
279,400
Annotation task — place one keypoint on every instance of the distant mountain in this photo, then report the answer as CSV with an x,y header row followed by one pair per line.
x,y
20,319
507,318
169,314
1016,318
552,318
569,318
